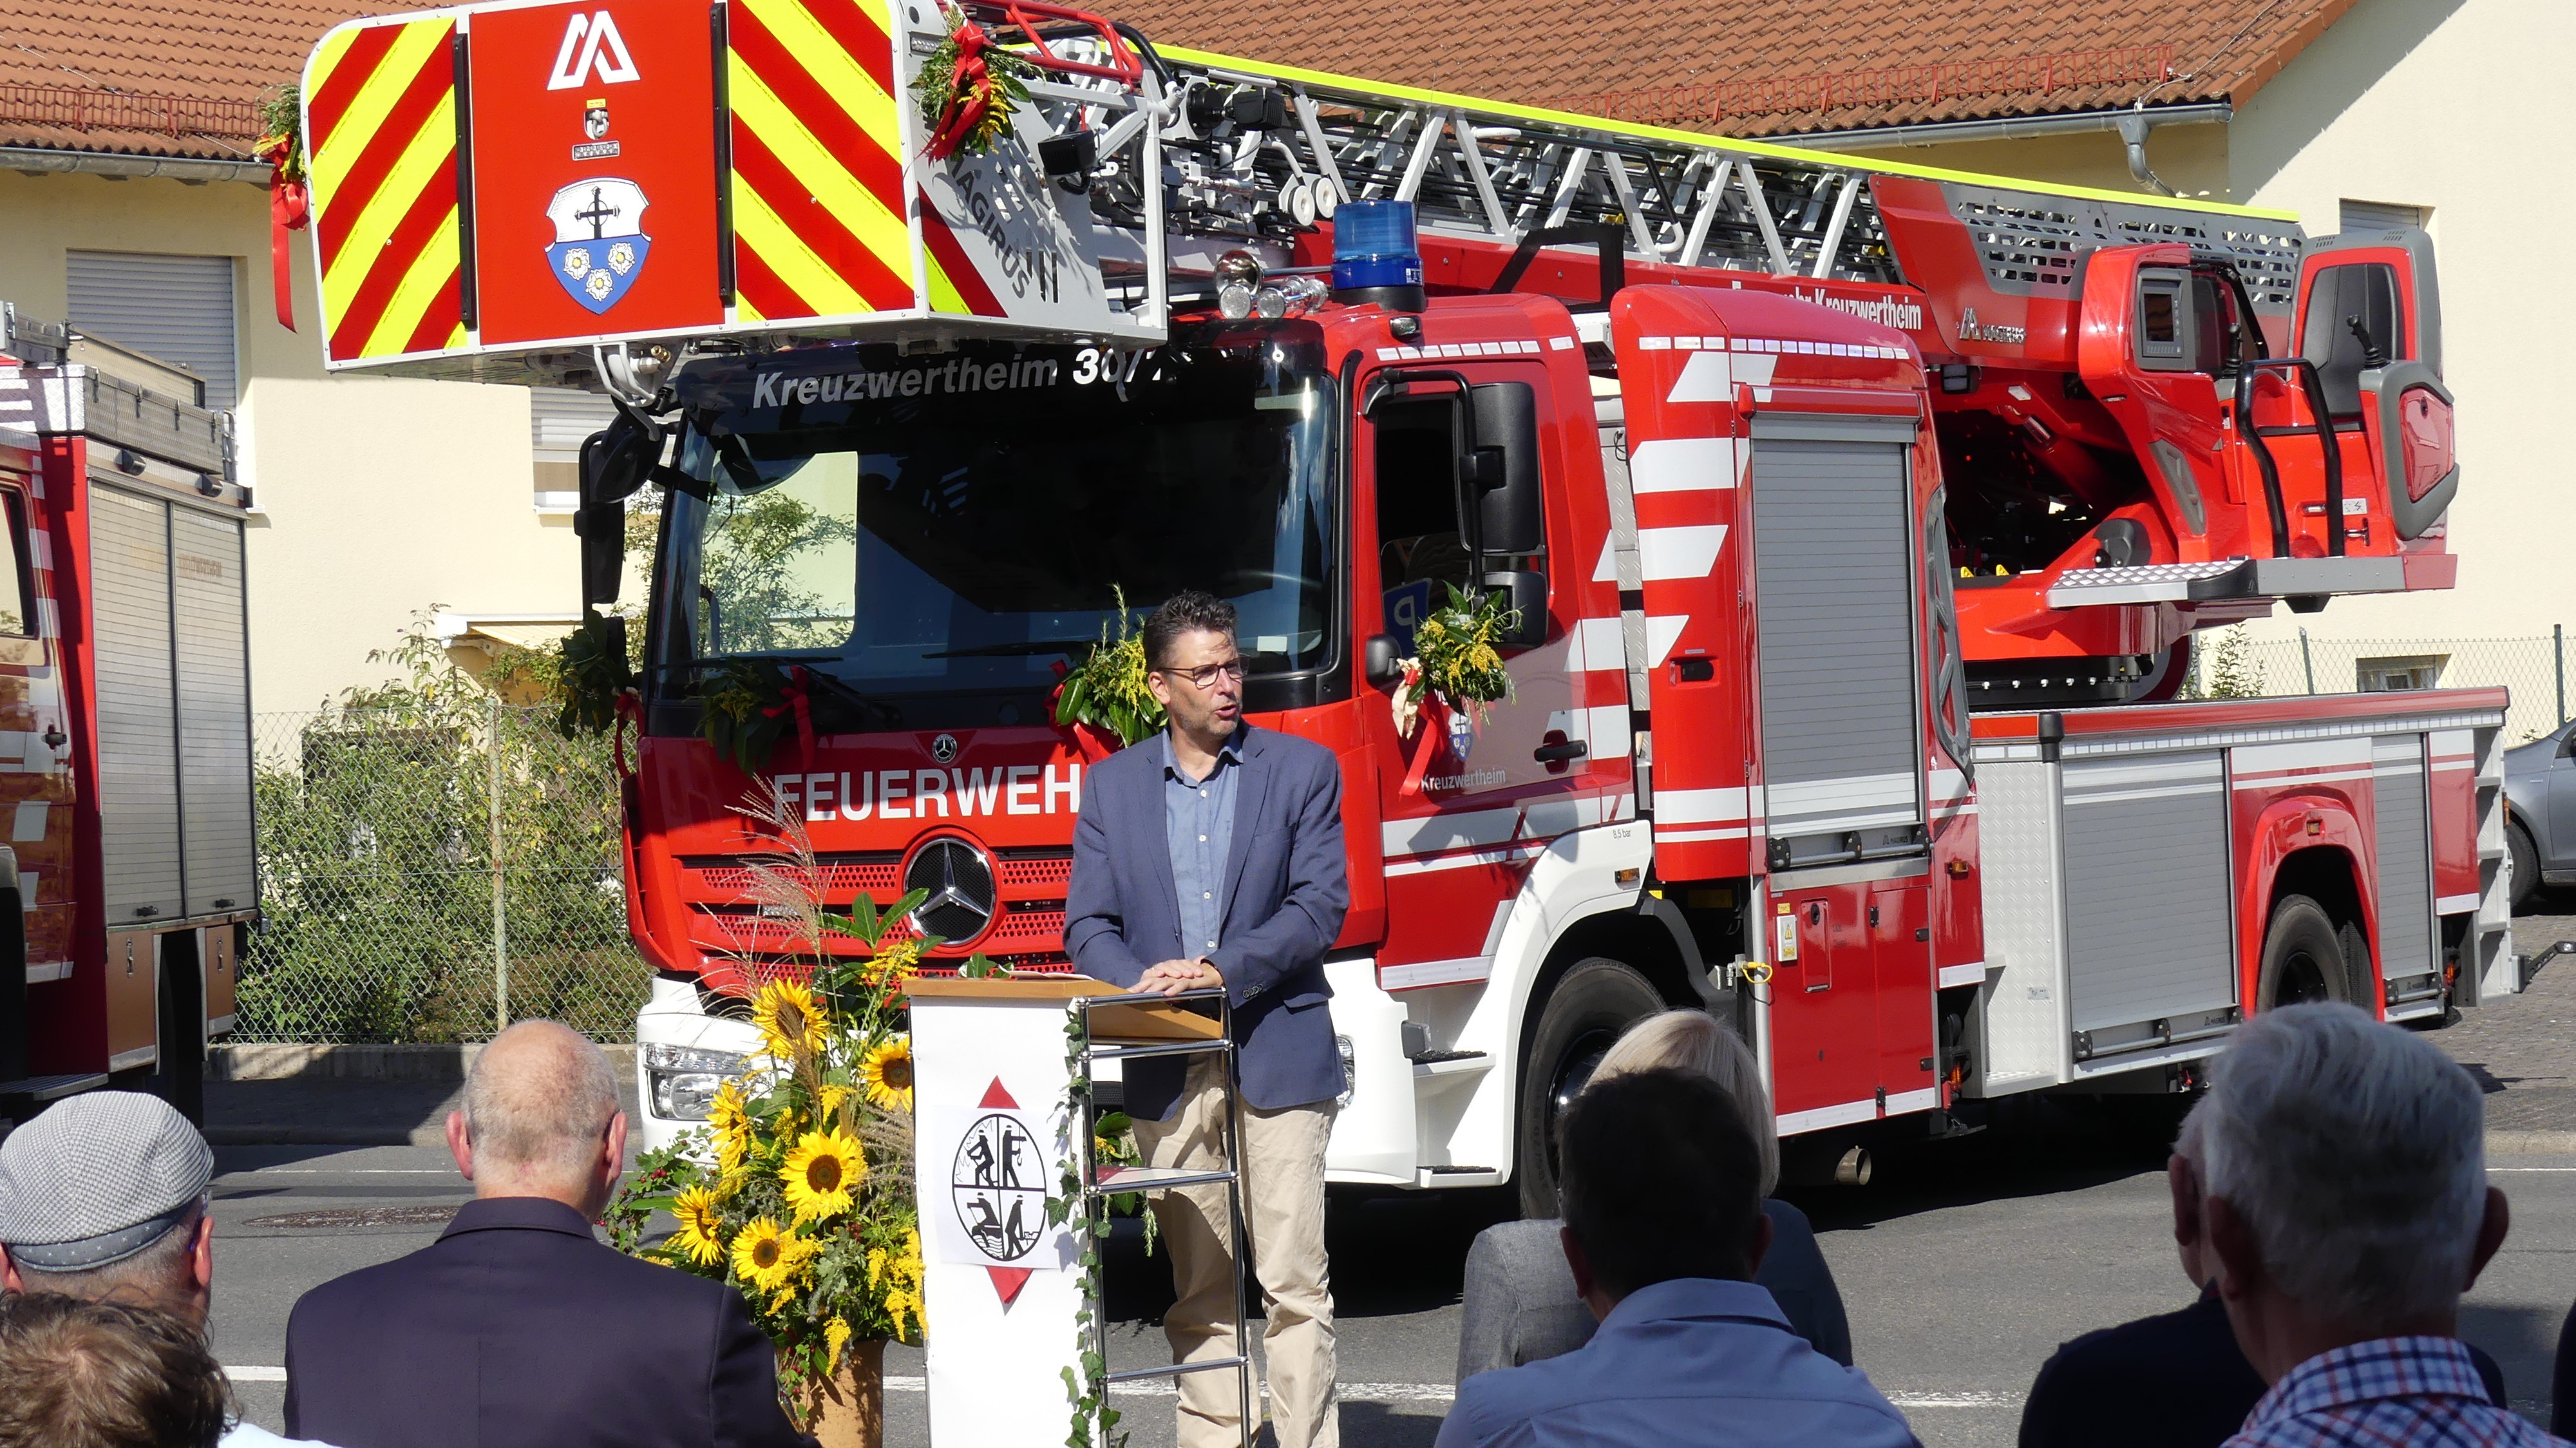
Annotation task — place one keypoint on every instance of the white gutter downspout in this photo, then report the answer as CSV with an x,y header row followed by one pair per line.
x,y
2015,128
193,170
2134,126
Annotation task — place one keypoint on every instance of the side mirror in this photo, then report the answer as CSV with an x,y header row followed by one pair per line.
x,y
615,461
1502,468
1377,661
1525,593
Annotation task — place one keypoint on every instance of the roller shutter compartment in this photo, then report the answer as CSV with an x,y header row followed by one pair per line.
x,y
2148,919
2405,866
1834,583
214,712
138,754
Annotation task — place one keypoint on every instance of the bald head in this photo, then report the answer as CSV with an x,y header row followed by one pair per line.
x,y
540,1118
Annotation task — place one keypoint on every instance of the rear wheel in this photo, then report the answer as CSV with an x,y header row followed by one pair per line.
x,y
1592,1004
2525,859
2303,958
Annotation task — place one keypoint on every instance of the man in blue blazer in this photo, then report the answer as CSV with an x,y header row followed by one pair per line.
x,y
1211,856
516,1326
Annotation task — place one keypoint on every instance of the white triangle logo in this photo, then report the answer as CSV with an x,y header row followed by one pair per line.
x,y
591,44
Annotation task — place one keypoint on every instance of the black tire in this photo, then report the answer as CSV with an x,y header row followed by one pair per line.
x,y
2359,969
1592,1003
2303,959
2524,858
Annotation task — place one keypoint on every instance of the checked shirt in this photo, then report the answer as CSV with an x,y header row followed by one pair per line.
x,y
2419,1392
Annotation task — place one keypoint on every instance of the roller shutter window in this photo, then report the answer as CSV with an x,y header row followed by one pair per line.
x,y
2376,216
214,712
175,309
562,418
138,781
1834,562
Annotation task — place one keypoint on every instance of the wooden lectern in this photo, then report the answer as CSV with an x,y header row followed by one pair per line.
x,y
991,1143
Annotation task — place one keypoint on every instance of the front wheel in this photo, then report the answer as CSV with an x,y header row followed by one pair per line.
x,y
2303,957
1593,1003
2524,858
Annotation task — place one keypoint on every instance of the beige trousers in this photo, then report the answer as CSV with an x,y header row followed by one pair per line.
x,y
1283,1189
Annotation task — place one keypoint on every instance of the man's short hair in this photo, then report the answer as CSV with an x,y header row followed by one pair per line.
x,y
2355,1152
157,1275
1186,612
76,1374
1660,1179
546,1112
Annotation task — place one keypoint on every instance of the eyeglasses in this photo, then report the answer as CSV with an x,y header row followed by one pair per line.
x,y
1205,674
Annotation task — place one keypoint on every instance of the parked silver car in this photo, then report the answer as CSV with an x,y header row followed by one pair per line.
x,y
2540,828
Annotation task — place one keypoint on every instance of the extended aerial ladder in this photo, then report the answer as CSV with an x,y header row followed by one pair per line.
x,y
2132,452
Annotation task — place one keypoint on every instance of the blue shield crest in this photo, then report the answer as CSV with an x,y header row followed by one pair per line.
x,y
600,245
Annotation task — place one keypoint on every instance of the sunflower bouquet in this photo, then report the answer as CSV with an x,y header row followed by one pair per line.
x,y
799,1188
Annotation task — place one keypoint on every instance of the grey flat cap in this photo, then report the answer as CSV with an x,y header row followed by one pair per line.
x,y
98,1178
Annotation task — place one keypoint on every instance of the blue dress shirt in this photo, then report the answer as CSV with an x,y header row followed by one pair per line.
x,y
1694,1361
1198,821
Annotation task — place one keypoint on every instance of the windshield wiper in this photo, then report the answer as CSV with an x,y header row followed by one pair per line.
x,y
869,705
998,651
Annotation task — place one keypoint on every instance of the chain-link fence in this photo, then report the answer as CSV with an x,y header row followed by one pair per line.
x,y
2535,669
431,870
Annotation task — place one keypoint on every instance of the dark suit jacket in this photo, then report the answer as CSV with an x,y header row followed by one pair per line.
x,y
1286,886
2173,1381
517,1327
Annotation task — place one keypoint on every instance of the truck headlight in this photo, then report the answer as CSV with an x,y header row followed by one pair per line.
x,y
684,1079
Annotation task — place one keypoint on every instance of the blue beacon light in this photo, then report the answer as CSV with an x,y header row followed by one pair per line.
x,y
1375,255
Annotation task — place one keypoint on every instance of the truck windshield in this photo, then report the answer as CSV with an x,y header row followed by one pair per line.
x,y
959,523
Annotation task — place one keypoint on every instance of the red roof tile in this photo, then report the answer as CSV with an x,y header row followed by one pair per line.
x,y
1769,67
154,77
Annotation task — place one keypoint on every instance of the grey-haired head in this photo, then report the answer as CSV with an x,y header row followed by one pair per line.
x,y
97,1179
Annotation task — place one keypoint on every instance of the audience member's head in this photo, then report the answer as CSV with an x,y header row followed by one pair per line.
x,y
1658,1178
1698,1043
541,1119
103,1198
2341,1170
82,1374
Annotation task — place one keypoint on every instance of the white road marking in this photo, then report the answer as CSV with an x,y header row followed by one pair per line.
x,y
1347,1392
349,1171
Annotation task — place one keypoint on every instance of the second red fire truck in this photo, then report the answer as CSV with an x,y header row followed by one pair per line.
x,y
1857,518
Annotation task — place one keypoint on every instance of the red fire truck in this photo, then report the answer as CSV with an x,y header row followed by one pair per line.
x,y
130,875
1856,515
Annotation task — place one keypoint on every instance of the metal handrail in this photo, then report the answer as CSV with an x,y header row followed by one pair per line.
x,y
2322,429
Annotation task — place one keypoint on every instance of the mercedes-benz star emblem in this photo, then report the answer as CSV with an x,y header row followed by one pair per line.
x,y
944,748
958,880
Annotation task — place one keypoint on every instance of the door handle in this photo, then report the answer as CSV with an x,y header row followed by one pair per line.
x,y
1554,753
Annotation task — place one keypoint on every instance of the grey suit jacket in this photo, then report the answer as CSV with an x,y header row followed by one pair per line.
x,y
1286,886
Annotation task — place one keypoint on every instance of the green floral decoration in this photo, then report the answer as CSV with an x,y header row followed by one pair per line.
x,y
1460,649
1107,691
591,672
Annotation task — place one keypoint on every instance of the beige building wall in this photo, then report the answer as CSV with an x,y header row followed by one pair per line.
x,y
376,499
2454,106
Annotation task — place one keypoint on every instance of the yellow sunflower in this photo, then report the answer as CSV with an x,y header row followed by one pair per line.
x,y
893,960
820,1174
788,1019
768,1256
886,1072
701,1232
731,1125
835,1333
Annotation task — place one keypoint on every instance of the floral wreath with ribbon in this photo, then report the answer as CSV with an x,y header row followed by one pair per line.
x,y
1455,677
290,197
968,88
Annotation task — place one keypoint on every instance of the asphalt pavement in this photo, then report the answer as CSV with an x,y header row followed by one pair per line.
x,y
1962,1265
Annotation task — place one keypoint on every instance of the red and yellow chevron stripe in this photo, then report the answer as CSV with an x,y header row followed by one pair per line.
x,y
380,115
818,186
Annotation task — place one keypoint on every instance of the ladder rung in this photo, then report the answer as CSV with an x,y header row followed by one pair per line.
x,y
1176,1369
